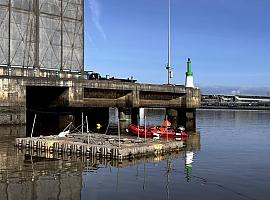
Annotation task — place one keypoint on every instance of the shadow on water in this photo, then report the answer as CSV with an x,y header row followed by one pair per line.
x,y
53,121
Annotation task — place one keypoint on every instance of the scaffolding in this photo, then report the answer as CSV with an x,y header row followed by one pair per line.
x,y
43,34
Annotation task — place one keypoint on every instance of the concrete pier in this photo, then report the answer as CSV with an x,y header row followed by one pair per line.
x,y
68,94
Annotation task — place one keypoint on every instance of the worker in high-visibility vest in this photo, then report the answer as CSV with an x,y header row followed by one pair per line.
x,y
98,127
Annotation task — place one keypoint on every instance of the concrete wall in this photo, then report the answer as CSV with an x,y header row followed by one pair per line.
x,y
81,93
12,101
140,95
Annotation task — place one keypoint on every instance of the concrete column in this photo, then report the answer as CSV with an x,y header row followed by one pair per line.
x,y
187,118
135,98
172,115
134,115
191,119
124,115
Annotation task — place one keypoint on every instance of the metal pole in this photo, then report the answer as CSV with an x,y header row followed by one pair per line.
x,y
82,123
118,126
166,127
87,130
37,12
9,34
107,128
33,125
138,126
62,40
83,45
169,41
144,129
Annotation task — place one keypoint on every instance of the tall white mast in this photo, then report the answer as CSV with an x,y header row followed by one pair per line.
x,y
168,67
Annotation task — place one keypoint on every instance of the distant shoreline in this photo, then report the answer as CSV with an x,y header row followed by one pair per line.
x,y
236,107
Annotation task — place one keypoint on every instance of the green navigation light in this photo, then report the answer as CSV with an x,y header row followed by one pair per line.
x,y
189,72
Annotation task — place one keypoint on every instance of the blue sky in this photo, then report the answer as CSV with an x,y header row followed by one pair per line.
x,y
228,41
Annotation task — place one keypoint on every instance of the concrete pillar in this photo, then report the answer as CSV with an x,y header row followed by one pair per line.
x,y
124,115
182,117
191,120
172,116
187,118
134,115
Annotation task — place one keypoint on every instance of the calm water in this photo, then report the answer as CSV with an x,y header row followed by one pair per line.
x,y
229,159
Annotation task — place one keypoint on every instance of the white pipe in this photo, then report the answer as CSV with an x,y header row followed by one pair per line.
x,y
87,130
118,126
33,125
138,125
145,129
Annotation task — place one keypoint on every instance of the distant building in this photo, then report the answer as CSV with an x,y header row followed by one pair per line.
x,y
237,100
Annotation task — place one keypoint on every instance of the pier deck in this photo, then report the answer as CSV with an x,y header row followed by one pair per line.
x,y
99,145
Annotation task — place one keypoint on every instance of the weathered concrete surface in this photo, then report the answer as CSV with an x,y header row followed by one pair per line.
x,y
63,89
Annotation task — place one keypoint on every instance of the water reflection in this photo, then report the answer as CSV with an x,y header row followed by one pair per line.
x,y
188,164
225,166
30,178
39,175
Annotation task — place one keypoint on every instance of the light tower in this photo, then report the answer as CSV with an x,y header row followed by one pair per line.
x,y
189,75
168,66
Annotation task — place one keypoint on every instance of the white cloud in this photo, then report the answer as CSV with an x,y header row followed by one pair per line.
x,y
95,14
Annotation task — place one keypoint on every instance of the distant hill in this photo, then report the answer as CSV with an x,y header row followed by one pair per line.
x,y
231,90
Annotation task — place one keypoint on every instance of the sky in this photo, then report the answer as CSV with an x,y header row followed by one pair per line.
x,y
228,41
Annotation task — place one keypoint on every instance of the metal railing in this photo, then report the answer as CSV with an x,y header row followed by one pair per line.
x,y
42,73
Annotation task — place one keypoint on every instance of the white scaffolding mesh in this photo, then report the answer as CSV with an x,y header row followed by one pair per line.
x,y
4,34
42,33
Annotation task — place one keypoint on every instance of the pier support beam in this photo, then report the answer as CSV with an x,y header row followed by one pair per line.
x,y
182,117
125,118
187,118
172,115
134,115
124,114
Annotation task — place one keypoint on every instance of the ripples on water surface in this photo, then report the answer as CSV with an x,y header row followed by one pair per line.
x,y
230,161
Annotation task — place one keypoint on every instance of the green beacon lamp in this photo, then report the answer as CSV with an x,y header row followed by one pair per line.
x,y
189,75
